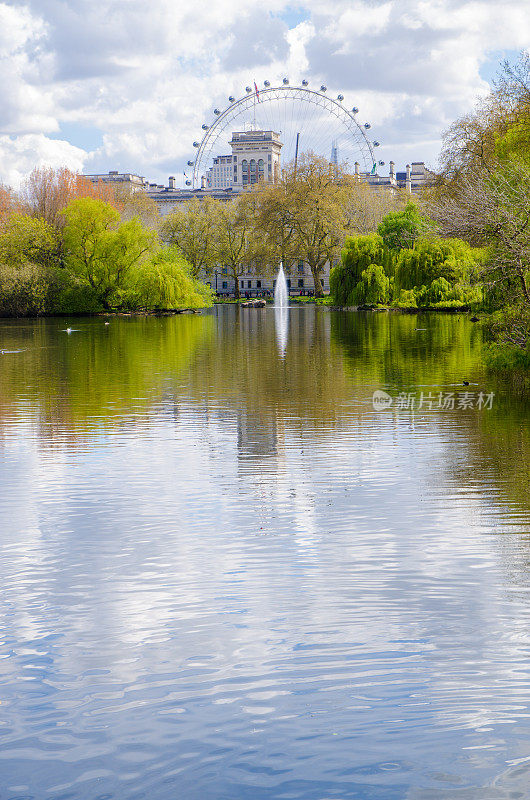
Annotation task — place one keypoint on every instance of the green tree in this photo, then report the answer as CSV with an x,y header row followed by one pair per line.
x,y
26,239
165,281
269,206
193,230
430,259
29,267
374,286
358,254
367,208
99,250
236,245
400,229
317,197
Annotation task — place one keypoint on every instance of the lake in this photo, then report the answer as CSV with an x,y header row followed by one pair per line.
x,y
224,575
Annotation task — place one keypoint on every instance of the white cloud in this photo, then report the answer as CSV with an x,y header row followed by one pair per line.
x,y
18,156
146,76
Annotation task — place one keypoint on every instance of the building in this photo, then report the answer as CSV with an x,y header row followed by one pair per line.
x,y
413,179
128,180
255,157
299,281
220,175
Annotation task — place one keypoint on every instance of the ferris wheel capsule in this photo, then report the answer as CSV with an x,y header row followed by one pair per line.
x,y
323,88
231,99
286,81
266,83
367,126
196,144
248,89
216,112
340,97
305,82
205,126
381,163
190,163
355,110
376,144
188,183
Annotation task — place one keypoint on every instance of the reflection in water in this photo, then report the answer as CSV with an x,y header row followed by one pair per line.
x,y
281,320
223,574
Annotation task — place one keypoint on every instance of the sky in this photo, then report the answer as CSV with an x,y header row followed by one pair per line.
x,y
127,84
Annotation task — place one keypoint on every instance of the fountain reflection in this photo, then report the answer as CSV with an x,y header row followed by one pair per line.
x,y
281,311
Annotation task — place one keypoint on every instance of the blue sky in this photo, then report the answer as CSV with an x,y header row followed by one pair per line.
x,y
490,69
127,85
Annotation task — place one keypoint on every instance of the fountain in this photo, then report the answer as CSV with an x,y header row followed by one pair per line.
x,y
281,310
281,299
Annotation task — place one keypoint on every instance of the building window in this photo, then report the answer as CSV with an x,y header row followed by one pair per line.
x,y
253,174
258,284
225,270
301,283
288,283
242,284
261,168
225,285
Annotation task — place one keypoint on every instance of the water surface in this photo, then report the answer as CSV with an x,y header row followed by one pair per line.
x,y
224,575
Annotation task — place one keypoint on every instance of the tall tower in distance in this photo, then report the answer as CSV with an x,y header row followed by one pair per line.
x,y
334,160
255,157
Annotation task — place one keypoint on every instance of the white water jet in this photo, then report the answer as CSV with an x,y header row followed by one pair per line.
x,y
281,298
281,310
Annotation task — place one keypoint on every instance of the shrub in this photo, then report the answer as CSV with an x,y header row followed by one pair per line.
x,y
406,299
24,290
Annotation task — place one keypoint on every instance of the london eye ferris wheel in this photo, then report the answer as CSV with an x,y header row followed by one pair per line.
x,y
306,119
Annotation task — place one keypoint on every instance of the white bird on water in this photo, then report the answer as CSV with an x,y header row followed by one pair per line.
x,y
70,330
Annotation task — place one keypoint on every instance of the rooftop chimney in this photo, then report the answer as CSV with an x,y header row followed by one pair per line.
x,y
172,182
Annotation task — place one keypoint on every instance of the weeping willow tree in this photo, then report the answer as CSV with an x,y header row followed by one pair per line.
x,y
165,282
431,259
365,267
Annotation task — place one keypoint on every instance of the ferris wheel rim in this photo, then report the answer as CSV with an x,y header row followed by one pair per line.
x,y
248,99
